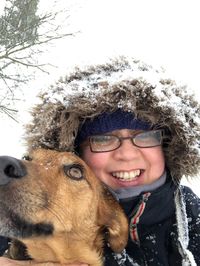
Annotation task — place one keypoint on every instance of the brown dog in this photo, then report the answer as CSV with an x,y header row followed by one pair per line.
x,y
55,209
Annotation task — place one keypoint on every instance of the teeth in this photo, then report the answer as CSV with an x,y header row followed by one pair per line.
x,y
128,176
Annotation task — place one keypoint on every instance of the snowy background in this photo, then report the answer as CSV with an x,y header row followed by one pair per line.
x,y
159,32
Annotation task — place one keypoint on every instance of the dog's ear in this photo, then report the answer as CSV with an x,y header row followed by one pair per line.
x,y
111,216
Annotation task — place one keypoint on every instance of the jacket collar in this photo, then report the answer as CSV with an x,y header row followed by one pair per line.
x,y
131,192
159,204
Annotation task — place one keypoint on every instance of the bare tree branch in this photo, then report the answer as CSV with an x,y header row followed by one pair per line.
x,y
9,112
24,34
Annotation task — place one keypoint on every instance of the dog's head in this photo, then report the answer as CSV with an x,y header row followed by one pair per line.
x,y
56,193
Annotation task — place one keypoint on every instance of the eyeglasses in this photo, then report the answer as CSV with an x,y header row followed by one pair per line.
x,y
147,139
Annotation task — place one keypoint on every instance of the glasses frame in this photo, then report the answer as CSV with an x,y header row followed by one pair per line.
x,y
121,139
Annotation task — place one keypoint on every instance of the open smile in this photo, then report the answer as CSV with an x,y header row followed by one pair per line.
x,y
127,175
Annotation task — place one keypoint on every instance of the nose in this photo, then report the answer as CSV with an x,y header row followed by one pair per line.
x,y
10,168
127,151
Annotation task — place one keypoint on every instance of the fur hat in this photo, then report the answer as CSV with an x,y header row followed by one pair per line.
x,y
127,84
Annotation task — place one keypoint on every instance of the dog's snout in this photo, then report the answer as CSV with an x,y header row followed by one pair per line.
x,y
10,168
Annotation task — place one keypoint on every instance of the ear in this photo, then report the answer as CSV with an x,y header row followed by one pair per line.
x,y
112,216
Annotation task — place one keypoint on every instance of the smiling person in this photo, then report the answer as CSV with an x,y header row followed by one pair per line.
x,y
139,132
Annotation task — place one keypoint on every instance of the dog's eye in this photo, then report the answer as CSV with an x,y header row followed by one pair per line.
x,y
74,171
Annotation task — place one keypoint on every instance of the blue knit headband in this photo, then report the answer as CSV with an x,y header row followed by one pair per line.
x,y
107,122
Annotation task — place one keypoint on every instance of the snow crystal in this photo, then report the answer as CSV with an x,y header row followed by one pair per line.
x,y
123,257
152,238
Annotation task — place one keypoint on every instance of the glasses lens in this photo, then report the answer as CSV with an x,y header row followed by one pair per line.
x,y
103,143
148,139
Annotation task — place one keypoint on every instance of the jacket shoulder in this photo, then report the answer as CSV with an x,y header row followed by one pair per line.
x,y
192,202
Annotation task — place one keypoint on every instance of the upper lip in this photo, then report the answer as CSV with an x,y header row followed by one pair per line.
x,y
120,170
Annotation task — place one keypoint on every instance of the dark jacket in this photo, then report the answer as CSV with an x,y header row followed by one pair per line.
x,y
3,245
157,229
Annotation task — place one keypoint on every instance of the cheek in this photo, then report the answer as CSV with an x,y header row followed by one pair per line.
x,y
159,162
96,161
156,160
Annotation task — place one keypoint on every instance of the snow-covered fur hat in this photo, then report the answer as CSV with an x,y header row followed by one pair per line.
x,y
127,84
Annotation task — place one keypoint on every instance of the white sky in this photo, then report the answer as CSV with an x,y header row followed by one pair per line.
x,y
160,32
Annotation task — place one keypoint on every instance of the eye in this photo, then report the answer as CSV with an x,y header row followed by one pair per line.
x,y
102,139
74,171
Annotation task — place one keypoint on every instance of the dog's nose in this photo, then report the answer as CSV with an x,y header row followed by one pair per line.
x,y
10,168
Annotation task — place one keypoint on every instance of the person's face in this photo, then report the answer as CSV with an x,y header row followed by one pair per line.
x,y
127,166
